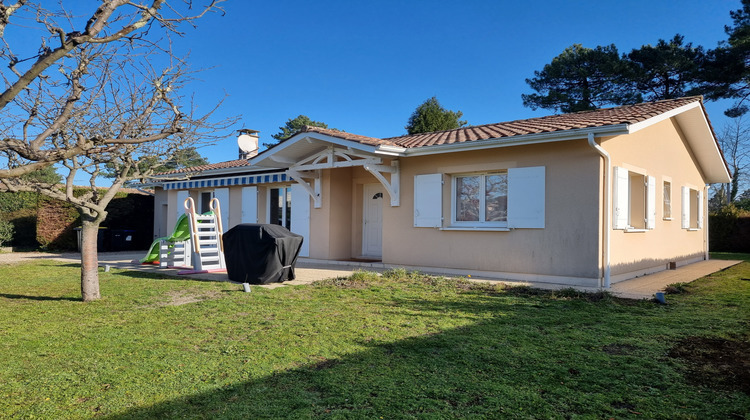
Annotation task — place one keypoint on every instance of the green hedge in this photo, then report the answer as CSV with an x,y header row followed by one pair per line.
x,y
43,222
20,210
729,230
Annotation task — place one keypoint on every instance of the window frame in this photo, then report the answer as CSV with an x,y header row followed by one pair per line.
x,y
637,201
623,204
205,205
482,201
666,199
285,210
692,201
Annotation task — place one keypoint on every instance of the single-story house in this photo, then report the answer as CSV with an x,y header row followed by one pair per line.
x,y
587,199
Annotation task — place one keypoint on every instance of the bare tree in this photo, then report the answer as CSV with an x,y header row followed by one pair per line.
x,y
735,143
106,95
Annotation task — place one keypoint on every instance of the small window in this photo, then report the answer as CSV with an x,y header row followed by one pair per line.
x,y
280,206
694,206
480,199
637,218
667,200
634,200
206,201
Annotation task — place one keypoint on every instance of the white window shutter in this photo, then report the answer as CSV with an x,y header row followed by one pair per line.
x,y
700,209
250,205
222,194
428,200
181,197
526,197
651,203
620,198
685,207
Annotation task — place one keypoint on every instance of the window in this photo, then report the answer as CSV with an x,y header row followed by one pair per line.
x,y
206,201
634,200
280,206
692,208
667,200
480,199
637,215
496,200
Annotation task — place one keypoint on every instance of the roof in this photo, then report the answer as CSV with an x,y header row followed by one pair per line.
x,y
345,136
221,165
616,120
626,114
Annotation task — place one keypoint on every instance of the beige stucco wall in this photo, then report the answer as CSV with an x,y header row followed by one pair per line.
x,y
662,152
566,247
330,225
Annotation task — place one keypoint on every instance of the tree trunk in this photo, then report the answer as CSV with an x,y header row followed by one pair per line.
x,y
90,259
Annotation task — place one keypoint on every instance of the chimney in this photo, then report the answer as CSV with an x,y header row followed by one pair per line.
x,y
248,143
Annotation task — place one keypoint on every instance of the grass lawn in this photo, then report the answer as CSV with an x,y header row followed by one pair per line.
x,y
401,346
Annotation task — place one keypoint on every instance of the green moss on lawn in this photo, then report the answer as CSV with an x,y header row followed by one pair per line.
x,y
402,345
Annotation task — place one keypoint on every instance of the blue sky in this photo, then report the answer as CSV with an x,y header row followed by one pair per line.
x,y
364,67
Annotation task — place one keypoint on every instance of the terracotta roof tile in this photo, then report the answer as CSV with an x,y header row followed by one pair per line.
x,y
346,136
221,165
627,114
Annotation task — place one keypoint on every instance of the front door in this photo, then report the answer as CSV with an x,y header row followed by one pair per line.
x,y
372,223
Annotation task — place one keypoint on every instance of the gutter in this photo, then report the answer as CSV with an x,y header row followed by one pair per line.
x,y
139,189
606,242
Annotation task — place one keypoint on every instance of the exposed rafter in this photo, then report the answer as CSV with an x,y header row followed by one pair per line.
x,y
314,189
392,185
309,168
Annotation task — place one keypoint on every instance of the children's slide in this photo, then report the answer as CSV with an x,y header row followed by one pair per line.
x,y
181,233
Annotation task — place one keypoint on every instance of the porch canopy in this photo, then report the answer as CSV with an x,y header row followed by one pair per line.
x,y
306,153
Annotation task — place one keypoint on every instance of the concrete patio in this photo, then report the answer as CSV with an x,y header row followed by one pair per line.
x,y
308,271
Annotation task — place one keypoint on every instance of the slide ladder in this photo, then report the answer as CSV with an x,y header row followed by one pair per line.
x,y
206,237
174,254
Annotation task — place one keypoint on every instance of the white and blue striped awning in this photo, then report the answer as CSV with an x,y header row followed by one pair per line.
x,y
225,182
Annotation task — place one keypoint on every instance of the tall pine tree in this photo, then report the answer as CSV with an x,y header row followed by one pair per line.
x,y
666,70
292,126
581,79
431,116
726,73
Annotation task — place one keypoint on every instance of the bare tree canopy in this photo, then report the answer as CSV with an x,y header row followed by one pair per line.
x,y
735,143
48,83
95,90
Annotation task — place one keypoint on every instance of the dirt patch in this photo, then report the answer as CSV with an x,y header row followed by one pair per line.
x,y
183,297
716,362
619,349
352,282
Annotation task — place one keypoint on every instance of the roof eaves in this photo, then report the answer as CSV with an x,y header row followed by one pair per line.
x,y
267,155
632,128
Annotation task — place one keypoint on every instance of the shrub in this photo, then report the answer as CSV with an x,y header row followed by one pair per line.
x,y
6,232
676,288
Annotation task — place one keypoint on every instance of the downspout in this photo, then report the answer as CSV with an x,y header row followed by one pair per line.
x,y
706,218
607,210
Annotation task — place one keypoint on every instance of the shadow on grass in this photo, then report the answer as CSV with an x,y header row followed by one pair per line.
x,y
533,358
41,298
144,274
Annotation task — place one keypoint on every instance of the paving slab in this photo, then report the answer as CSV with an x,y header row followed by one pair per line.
x,y
645,287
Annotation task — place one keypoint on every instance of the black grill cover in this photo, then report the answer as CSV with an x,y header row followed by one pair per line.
x,y
261,254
